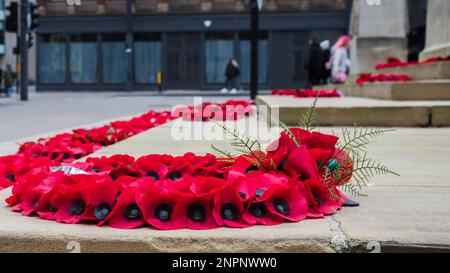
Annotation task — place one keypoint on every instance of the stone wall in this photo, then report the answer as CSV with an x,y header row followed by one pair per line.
x,y
378,31
438,29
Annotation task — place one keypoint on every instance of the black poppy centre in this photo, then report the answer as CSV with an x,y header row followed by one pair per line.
x,y
197,213
163,212
132,211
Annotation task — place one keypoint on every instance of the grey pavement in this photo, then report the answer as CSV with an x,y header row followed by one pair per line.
x,y
53,111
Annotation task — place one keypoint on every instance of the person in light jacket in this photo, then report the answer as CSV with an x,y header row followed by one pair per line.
x,y
340,60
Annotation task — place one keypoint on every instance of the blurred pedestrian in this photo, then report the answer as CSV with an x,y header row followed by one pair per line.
x,y
232,73
9,76
326,66
314,64
340,61
2,90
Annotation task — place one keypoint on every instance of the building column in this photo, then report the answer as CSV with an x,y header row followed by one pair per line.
x,y
206,5
42,7
101,6
438,30
163,6
378,31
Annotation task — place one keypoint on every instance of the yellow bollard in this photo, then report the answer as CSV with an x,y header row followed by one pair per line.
x,y
159,81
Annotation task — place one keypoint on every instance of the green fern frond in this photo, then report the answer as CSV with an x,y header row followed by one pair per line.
x,y
307,119
289,133
353,190
222,152
358,138
330,186
245,144
364,170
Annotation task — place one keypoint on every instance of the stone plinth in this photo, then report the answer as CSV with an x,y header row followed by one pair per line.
x,y
378,31
438,30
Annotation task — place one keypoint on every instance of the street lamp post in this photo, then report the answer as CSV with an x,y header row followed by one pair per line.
x,y
254,8
23,50
129,45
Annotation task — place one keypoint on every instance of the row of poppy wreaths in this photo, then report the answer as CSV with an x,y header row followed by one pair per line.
x,y
67,147
392,62
228,111
307,93
195,192
365,78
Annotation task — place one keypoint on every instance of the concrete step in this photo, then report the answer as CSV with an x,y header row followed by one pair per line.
x,y
417,90
349,111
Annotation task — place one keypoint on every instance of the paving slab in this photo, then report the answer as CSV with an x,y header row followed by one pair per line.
x,y
349,111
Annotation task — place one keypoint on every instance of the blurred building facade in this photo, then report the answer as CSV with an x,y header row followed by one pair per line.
x,y
190,41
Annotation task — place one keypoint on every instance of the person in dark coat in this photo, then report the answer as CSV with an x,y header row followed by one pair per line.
x,y
314,64
232,73
326,66
9,77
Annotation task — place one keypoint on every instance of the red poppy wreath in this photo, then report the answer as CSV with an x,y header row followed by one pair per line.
x,y
298,176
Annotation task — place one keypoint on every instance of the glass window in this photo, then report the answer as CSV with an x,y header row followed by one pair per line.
x,y
52,59
114,58
147,57
83,58
245,55
219,49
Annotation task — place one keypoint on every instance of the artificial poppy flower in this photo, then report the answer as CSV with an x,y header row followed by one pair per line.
x,y
300,165
324,201
178,168
341,166
151,168
30,196
257,212
286,201
100,198
228,208
126,214
194,212
204,186
242,166
69,200
158,207
99,164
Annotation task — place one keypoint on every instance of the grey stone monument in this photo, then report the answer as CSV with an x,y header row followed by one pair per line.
x,y
379,29
438,30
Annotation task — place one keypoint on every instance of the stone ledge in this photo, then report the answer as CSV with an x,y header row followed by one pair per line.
x,y
349,111
431,71
31,234
401,91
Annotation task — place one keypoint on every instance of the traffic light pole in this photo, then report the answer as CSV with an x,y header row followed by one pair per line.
x,y
129,46
254,49
23,50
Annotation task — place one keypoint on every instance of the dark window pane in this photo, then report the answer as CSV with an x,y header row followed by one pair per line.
x,y
263,57
114,58
147,57
52,59
219,49
83,58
